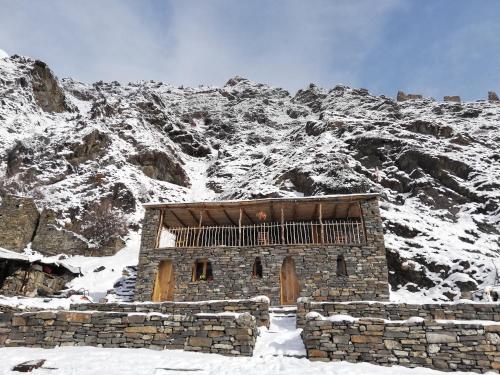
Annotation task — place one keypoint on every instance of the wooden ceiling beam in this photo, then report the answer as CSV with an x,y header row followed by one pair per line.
x,y
211,217
196,220
271,211
247,216
316,211
334,212
229,218
178,219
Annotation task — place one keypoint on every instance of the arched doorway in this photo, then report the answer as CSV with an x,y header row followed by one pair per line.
x,y
289,284
164,283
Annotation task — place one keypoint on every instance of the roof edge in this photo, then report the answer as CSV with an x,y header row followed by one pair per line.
x,y
225,203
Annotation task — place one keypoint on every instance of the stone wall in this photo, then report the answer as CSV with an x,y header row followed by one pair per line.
x,y
227,334
232,267
400,311
441,345
18,222
257,307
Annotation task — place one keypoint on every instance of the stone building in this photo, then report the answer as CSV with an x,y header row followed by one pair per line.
x,y
22,275
325,247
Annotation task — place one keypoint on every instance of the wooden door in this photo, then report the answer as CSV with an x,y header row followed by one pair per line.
x,y
164,283
289,284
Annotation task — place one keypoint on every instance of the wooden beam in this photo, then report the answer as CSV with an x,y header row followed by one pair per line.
x,y
282,226
316,210
160,228
271,211
237,203
321,223
198,237
239,225
248,217
349,210
294,212
178,219
334,212
196,220
228,217
211,217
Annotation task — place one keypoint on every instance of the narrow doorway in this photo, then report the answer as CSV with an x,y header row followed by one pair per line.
x,y
164,283
289,284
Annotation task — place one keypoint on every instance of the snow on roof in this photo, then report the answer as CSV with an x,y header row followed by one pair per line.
x,y
12,255
54,260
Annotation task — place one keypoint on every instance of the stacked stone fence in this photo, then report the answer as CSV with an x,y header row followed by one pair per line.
x,y
443,345
257,307
225,333
399,311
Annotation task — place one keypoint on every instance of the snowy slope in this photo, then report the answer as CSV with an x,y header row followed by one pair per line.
x,y
83,147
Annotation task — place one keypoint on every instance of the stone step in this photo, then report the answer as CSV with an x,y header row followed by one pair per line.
x,y
283,310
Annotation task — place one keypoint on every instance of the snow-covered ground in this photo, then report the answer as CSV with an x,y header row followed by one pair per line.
x,y
91,361
275,353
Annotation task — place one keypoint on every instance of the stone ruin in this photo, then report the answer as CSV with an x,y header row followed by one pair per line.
x,y
452,99
21,276
401,96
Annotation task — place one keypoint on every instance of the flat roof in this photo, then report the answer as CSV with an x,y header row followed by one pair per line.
x,y
249,212
245,202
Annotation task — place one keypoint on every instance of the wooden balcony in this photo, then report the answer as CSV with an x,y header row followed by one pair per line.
x,y
336,232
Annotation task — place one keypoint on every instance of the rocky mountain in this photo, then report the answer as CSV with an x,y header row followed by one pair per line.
x,y
87,151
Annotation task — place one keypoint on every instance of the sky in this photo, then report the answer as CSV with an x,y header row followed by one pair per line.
x,y
431,47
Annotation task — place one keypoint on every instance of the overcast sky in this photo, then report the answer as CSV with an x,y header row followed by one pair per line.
x,y
433,47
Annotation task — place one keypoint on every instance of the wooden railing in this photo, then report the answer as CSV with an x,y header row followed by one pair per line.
x,y
288,233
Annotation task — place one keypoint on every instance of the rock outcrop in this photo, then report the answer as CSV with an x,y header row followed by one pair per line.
x,y
19,218
435,164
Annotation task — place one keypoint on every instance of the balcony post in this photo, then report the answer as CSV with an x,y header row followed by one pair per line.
x,y
199,229
282,226
239,226
321,223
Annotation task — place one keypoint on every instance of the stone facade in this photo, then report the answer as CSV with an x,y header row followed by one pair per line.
x,y
227,334
18,222
258,307
400,311
366,278
444,345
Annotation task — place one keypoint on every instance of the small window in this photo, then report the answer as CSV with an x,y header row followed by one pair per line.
x,y
257,269
341,266
202,270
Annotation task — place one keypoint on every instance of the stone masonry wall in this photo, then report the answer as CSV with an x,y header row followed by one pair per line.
x,y
227,334
443,345
258,307
232,267
18,222
400,311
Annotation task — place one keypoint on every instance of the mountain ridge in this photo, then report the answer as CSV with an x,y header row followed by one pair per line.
x,y
82,149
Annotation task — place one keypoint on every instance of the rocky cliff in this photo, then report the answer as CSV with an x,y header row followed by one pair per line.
x,y
87,151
